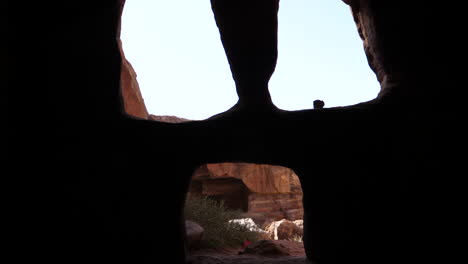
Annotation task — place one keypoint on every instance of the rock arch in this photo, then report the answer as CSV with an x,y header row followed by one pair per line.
x,y
262,192
357,165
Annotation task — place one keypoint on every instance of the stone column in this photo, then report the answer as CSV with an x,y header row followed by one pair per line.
x,y
249,35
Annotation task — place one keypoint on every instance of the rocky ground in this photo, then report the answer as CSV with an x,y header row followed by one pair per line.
x,y
284,252
248,260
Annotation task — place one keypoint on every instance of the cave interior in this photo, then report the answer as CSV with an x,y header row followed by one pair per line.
x,y
116,184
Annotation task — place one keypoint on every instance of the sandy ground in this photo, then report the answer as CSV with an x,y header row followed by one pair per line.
x,y
232,256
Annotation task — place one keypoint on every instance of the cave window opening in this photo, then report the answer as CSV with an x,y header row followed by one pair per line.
x,y
179,64
266,198
175,70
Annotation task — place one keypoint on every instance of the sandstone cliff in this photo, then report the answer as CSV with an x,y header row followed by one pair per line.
x,y
133,100
261,179
130,90
263,192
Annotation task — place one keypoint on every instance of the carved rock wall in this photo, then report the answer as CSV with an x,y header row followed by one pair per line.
x,y
264,208
271,192
263,192
94,202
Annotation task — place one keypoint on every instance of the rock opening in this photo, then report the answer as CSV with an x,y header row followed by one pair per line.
x,y
263,192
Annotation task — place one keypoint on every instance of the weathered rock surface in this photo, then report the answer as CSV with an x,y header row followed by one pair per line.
x,y
262,179
133,100
130,90
247,223
168,119
266,207
284,229
363,167
194,233
299,223
263,192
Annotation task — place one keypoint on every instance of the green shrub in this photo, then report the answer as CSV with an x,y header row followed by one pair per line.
x,y
214,217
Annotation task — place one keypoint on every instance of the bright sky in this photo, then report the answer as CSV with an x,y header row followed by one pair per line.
x,y
182,69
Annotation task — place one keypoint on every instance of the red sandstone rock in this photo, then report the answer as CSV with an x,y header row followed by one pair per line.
x,y
131,94
263,192
133,100
261,179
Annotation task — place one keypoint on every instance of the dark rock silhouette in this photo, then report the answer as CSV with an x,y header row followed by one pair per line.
x,y
266,248
248,32
365,169
319,104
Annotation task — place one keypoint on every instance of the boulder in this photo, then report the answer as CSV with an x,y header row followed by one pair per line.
x,y
194,233
274,207
247,223
284,229
299,223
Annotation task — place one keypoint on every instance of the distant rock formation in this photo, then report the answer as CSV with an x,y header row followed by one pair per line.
x,y
130,90
133,100
168,119
285,229
263,192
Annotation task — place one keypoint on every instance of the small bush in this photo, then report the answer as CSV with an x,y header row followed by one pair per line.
x,y
214,217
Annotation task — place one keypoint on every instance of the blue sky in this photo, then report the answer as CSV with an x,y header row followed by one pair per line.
x,y
182,69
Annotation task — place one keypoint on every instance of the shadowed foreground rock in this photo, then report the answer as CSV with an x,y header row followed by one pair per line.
x,y
194,233
266,248
365,170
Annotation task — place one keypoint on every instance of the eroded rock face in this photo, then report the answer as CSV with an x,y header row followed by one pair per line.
x,y
261,179
247,223
284,229
167,119
356,213
264,192
133,100
391,45
264,208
